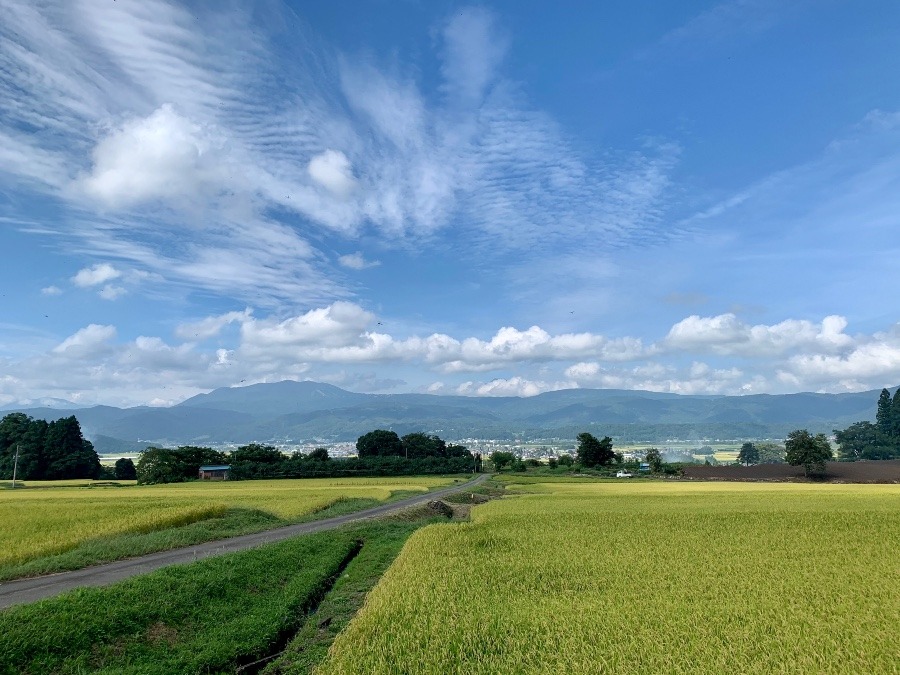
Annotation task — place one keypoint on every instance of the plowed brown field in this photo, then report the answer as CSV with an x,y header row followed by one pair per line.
x,y
884,471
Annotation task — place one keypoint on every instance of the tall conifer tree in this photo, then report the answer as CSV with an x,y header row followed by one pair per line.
x,y
884,414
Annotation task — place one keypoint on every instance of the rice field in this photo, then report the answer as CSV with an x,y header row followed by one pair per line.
x,y
42,522
643,578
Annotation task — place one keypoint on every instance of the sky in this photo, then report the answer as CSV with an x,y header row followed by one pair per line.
x,y
430,196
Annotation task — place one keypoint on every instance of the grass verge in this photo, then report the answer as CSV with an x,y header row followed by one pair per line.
x,y
209,616
277,607
383,541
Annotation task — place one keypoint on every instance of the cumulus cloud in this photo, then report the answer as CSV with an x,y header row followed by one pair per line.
x,y
51,290
356,261
163,155
87,342
92,363
726,334
697,378
332,170
341,324
95,275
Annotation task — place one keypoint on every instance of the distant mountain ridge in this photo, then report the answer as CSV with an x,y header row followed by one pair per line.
x,y
291,411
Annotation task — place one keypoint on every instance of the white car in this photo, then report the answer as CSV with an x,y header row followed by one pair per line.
x,y
623,474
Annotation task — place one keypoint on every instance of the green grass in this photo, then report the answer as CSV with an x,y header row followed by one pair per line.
x,y
649,577
208,616
383,541
214,615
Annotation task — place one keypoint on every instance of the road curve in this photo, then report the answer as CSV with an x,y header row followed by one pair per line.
x,y
38,588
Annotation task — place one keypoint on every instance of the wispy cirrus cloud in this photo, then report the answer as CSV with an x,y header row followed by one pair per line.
x,y
144,120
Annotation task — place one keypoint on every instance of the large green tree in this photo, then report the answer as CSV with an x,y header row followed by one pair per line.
x,y
748,454
25,436
418,445
379,443
770,453
863,440
593,452
66,452
654,460
125,469
895,414
884,414
257,453
502,458
810,452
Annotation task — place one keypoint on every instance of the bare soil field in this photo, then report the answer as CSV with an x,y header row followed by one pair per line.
x,y
883,471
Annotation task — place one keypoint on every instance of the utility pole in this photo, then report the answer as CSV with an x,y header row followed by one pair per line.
x,y
15,465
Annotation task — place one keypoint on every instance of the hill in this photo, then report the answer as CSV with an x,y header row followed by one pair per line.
x,y
311,411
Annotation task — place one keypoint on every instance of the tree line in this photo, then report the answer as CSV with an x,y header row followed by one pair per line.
x,y
46,450
881,440
379,453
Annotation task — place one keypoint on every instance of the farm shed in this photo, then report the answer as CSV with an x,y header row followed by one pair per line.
x,y
215,472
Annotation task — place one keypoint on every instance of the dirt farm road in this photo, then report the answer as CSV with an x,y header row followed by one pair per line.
x,y
38,588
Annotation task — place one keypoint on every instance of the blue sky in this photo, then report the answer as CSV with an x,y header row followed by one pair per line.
x,y
495,199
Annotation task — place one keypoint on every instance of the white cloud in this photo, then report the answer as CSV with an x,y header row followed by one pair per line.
x,y
727,335
337,326
211,325
876,360
51,290
87,342
356,261
514,386
91,366
164,155
332,170
111,292
155,107
698,378
96,275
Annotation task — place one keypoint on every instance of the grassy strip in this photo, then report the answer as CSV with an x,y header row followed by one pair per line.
x,y
216,614
208,616
383,541
490,489
234,522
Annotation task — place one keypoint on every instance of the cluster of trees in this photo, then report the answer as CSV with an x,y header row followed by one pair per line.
x,y
46,450
503,458
174,465
381,443
801,448
864,440
591,453
381,453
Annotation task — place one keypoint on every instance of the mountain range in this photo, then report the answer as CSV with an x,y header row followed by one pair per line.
x,y
298,412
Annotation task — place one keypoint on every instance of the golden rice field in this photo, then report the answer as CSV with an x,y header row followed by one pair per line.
x,y
40,522
643,578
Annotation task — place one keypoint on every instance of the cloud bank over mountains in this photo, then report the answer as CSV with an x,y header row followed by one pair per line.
x,y
320,343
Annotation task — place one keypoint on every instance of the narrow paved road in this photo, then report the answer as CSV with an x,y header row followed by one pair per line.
x,y
38,588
